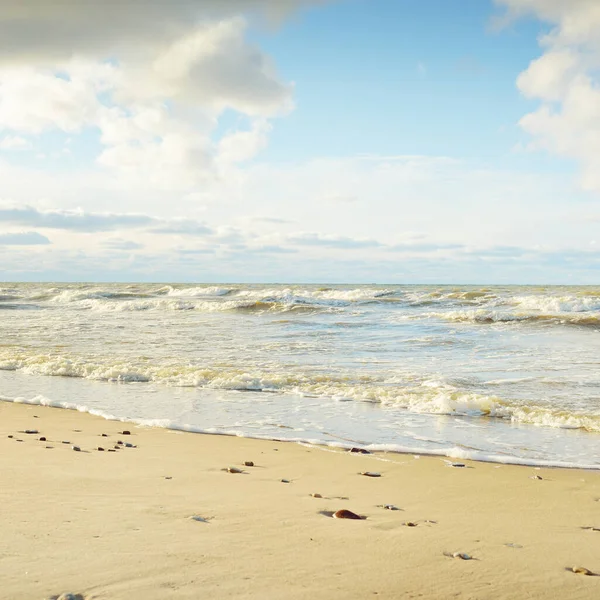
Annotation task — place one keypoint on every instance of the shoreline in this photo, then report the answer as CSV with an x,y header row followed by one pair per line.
x,y
165,518
455,453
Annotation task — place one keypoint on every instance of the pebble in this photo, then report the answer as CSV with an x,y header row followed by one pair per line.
x,y
409,524
582,571
359,451
11,436
117,447
31,431
128,445
42,439
111,450
125,432
120,442
370,474
100,449
345,514
76,448
65,442
315,495
458,465
285,481
248,463
234,470
104,435
390,507
67,596
535,477
461,555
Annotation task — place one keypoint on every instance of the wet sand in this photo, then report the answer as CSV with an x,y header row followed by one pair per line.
x,y
165,519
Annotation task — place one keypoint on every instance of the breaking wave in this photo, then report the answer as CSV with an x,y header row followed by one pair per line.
x,y
410,392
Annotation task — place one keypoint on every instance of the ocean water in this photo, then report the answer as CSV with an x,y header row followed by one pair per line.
x,y
510,374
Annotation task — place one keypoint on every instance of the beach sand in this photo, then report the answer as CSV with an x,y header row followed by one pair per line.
x,y
165,520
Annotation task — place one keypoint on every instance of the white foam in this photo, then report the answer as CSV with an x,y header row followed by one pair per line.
x,y
449,452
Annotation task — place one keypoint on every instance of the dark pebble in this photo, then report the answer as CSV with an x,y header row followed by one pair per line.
x,y
119,442
104,435
359,451
111,450
285,481
345,514
117,447
42,439
100,449
11,436
65,442
31,431
126,432
128,445
76,448
248,463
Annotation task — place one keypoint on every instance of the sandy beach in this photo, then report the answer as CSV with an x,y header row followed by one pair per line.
x,y
165,519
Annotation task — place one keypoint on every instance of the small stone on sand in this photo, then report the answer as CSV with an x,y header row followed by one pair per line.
x,y
409,524
346,514
535,477
370,474
11,436
125,432
120,442
461,555
42,439
248,463
104,434
315,495
111,450
128,445
100,449
76,448
389,507
233,470
285,481
359,451
31,431
65,442
582,571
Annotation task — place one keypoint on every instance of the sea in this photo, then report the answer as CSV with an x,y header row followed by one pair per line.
x,y
509,374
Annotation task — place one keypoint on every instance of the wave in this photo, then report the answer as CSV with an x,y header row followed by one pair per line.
x,y
410,392
491,317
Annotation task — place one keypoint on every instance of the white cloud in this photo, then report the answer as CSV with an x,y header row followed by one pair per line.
x,y
566,80
152,77
28,238
14,142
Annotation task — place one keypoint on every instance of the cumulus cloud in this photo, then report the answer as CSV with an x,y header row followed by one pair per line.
x,y
152,76
28,238
565,79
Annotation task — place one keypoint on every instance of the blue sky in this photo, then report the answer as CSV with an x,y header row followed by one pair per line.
x,y
439,141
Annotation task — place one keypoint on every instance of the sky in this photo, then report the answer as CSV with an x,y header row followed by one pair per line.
x,y
334,141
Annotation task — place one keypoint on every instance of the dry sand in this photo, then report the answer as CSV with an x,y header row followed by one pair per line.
x,y
119,525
